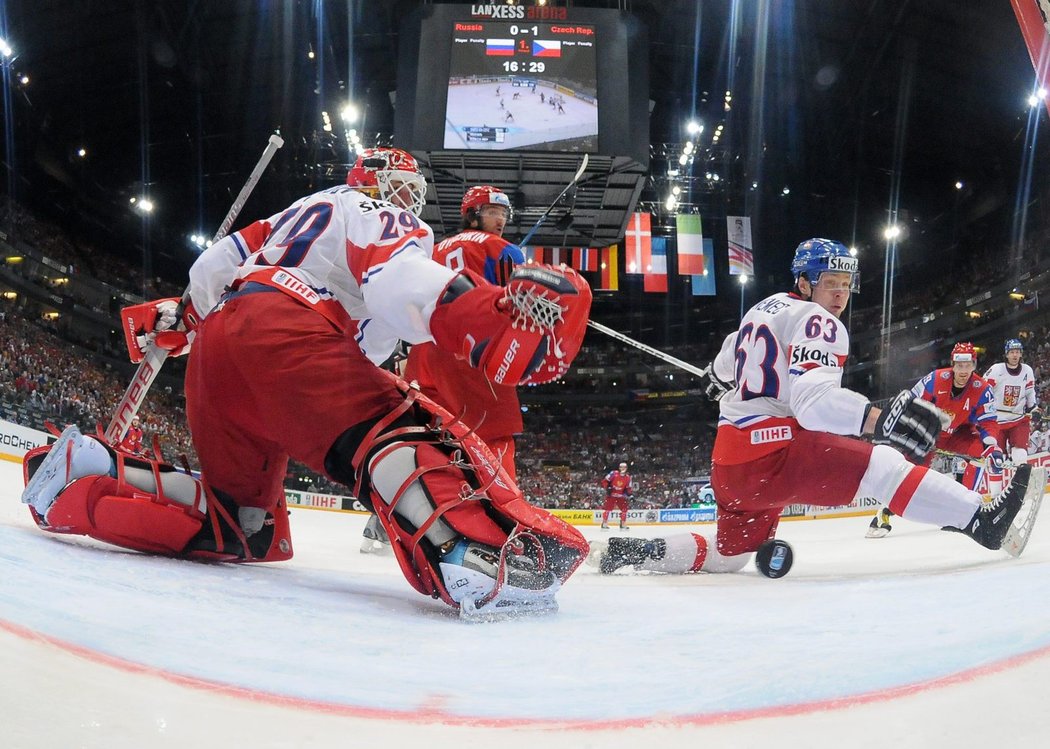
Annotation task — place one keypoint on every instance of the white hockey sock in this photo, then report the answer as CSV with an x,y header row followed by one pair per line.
x,y
919,494
684,552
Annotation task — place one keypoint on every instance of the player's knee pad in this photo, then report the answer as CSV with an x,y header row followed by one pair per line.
x,y
145,505
432,481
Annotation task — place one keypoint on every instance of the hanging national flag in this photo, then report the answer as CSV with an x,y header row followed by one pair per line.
x,y
704,284
499,47
741,261
610,277
690,245
655,278
558,255
546,48
638,243
533,254
1033,16
584,258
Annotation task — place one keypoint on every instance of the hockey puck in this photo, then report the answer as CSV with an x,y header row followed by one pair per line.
x,y
773,558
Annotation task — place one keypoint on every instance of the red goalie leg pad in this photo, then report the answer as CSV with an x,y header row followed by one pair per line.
x,y
91,506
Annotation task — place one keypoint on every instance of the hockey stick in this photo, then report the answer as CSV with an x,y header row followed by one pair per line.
x,y
154,356
691,369
551,207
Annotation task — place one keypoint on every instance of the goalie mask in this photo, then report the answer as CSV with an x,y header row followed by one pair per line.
x,y
392,175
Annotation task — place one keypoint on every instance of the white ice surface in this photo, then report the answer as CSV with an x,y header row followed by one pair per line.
x,y
919,639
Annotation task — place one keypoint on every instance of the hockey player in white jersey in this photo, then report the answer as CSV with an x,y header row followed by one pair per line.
x,y
788,433
1013,384
292,314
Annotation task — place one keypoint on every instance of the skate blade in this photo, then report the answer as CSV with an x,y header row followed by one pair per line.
x,y
877,533
1020,530
53,462
594,557
502,610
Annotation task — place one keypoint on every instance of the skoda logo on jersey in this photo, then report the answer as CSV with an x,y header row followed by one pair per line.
x,y
803,354
842,264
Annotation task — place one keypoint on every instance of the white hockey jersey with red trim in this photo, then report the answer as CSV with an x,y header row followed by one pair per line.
x,y
786,360
343,253
1014,391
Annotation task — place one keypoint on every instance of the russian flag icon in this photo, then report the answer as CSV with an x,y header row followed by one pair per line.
x,y
546,48
499,47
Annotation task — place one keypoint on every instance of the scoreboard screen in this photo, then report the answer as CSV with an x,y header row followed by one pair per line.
x,y
522,86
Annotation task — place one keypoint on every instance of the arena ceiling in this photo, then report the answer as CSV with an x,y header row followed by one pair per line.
x,y
839,101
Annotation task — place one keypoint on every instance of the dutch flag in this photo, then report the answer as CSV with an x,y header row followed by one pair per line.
x,y
544,48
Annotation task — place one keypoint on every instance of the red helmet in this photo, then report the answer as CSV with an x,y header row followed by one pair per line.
x,y
964,352
483,195
384,172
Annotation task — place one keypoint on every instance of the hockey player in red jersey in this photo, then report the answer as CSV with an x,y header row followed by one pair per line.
x,y
132,442
618,489
298,310
788,433
492,411
1013,385
447,378
972,431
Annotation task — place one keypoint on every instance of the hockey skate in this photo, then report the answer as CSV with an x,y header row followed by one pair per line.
x,y
620,552
1021,529
605,526
880,524
374,539
492,584
992,521
72,456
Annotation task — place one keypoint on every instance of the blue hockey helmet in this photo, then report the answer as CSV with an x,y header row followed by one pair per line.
x,y
816,256
1013,343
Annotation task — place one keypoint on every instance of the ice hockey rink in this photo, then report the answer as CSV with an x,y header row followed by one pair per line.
x,y
920,639
534,124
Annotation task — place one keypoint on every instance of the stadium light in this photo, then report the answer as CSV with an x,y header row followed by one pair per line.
x,y
24,80
676,191
786,190
853,252
958,185
349,113
891,232
670,203
81,152
694,127
743,279
5,48
683,160
1033,101
145,205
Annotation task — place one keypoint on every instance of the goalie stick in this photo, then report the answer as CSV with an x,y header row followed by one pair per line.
x,y
551,207
154,356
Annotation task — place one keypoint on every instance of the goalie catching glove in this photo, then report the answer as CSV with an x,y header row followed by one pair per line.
x,y
169,323
526,333
911,425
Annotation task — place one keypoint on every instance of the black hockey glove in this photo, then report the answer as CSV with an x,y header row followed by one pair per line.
x,y
911,425
714,387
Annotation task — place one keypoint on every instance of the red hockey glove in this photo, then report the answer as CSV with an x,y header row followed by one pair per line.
x,y
159,322
528,332
556,301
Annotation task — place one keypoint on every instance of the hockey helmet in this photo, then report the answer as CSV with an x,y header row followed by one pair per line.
x,y
383,173
964,351
482,195
1013,343
816,256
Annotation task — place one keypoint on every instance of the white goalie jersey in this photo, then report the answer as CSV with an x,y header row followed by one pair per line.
x,y
786,361
1014,391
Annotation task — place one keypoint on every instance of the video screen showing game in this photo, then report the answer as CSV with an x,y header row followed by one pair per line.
x,y
518,85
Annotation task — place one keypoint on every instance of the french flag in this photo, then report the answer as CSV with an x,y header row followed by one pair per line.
x,y
499,47
544,48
